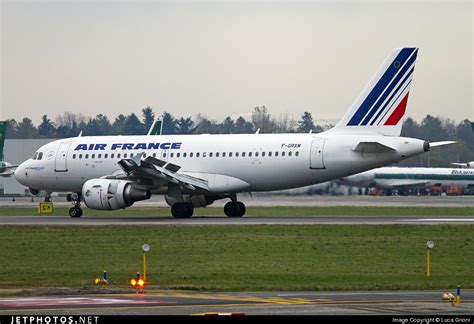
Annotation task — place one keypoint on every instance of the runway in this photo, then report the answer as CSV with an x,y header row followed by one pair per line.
x,y
226,221
271,303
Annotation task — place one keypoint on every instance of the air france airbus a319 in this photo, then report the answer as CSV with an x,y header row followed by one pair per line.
x,y
113,172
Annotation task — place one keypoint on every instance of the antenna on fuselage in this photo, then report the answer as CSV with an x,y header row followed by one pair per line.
x,y
258,131
80,134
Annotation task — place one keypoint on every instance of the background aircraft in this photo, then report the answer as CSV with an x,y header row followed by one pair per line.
x,y
402,178
6,169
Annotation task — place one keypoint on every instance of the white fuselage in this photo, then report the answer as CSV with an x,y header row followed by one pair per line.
x,y
230,163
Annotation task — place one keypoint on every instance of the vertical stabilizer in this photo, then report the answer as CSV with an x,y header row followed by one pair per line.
x,y
380,107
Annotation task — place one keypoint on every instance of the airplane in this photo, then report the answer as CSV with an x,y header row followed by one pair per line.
x,y
193,171
403,178
6,169
469,165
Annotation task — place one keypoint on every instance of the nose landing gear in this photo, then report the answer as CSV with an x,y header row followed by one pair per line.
x,y
76,210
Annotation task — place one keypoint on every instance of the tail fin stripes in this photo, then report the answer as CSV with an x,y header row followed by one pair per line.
x,y
382,103
3,129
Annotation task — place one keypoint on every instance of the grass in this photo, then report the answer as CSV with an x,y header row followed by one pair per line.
x,y
240,258
262,211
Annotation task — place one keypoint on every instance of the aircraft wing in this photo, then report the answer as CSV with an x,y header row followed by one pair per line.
x,y
7,174
155,168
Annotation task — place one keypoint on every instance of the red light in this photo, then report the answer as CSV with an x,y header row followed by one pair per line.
x,y
133,282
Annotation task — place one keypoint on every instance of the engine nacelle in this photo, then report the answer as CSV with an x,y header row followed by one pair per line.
x,y
196,200
107,194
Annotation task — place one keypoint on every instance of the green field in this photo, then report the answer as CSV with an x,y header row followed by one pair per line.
x,y
239,258
261,211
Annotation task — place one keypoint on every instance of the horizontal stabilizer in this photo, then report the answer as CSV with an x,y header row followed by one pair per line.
x,y
434,144
372,147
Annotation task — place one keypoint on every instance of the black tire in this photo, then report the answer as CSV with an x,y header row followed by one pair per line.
x,y
75,212
232,209
182,210
242,208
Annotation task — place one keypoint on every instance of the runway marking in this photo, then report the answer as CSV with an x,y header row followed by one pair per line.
x,y
67,301
440,220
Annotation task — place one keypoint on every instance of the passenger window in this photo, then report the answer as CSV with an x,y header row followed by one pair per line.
x,y
154,155
171,155
93,156
250,154
282,153
236,154
86,156
178,154
118,155
100,156
184,155
112,155
243,154
217,154
223,154
276,154
191,154
105,155
263,154
80,156
197,154
131,155
74,156
270,154
164,155
204,154
125,155
289,153
210,154
230,154
256,154
297,153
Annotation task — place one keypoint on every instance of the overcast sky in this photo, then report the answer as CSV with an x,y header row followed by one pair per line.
x,y
225,58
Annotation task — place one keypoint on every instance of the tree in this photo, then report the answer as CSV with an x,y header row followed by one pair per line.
x,y
26,129
169,124
148,117
227,126
103,124
185,125
243,127
262,119
119,124
46,129
133,126
12,127
306,124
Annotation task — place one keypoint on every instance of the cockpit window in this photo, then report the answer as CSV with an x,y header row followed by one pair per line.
x,y
40,156
34,156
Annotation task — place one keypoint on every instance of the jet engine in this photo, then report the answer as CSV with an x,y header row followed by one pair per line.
x,y
107,194
196,200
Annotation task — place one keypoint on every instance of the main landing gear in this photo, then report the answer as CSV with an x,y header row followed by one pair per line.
x,y
182,210
235,209
76,210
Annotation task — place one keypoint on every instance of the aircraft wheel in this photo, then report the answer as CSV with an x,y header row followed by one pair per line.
x,y
242,208
182,210
234,209
75,212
